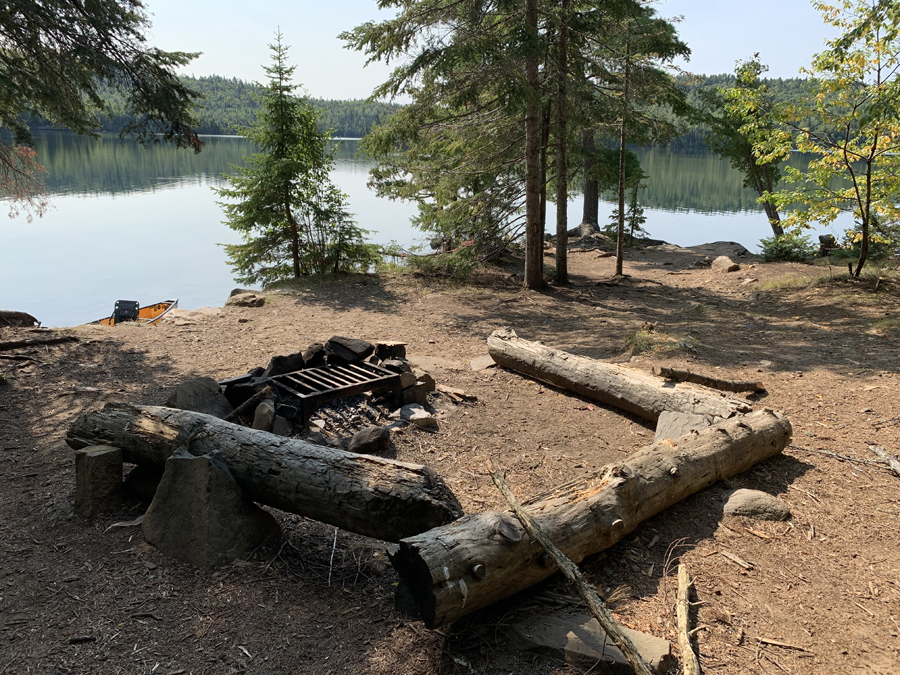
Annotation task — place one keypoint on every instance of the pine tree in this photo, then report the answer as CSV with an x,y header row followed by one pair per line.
x,y
293,219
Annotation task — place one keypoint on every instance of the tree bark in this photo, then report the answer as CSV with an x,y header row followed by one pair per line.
x,y
562,169
690,665
534,246
735,386
630,389
591,210
482,558
379,498
620,229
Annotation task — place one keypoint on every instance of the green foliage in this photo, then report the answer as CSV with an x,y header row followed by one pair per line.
x,y
293,219
856,85
453,266
55,58
788,247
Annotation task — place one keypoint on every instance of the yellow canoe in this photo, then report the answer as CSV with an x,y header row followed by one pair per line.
x,y
146,315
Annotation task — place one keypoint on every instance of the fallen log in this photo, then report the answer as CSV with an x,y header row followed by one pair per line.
x,y
10,317
735,386
485,557
630,389
690,664
377,497
20,344
887,457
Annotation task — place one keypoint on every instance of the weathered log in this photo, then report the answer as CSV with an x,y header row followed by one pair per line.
x,y
690,664
481,558
630,389
10,317
887,457
735,386
377,497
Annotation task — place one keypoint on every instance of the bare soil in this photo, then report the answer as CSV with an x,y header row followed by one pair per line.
x,y
85,596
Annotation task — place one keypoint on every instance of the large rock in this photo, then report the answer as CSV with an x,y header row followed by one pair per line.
x,y
390,349
578,639
264,415
343,350
725,264
414,413
98,479
142,482
246,300
279,365
674,425
202,395
200,516
370,441
755,504
314,356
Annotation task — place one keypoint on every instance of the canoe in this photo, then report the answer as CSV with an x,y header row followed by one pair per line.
x,y
146,315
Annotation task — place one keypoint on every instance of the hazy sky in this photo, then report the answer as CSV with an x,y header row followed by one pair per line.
x,y
233,37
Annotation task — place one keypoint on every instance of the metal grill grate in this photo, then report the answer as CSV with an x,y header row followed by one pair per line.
x,y
314,386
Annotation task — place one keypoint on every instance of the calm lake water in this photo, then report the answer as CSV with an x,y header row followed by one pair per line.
x,y
143,224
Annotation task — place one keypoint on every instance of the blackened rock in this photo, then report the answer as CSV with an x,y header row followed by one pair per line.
x,y
282,427
370,441
241,392
397,365
288,412
202,395
257,372
279,365
314,356
201,516
142,482
344,350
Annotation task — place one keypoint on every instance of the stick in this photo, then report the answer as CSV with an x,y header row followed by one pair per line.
x,y
19,344
890,459
249,404
845,458
707,381
689,662
572,573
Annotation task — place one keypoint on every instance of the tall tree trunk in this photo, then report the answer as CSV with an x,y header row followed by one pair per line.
x,y
591,210
534,247
545,141
620,230
562,182
295,238
762,181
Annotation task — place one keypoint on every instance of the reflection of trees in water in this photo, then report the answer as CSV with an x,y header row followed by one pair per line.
x,y
678,180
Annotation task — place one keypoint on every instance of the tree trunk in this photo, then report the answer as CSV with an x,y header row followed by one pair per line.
x,y
591,210
534,247
630,389
482,558
620,229
545,141
377,497
562,169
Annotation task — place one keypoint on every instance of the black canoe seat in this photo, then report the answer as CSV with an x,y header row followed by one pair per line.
x,y
125,310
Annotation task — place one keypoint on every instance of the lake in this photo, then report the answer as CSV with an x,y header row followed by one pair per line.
x,y
143,224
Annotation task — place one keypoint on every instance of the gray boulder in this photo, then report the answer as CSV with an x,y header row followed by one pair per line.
x,y
755,504
201,516
370,441
245,300
279,365
674,425
202,395
264,415
725,264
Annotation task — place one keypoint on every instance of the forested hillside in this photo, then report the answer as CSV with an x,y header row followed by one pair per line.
x,y
229,103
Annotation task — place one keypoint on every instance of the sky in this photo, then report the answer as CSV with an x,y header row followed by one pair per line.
x,y
233,37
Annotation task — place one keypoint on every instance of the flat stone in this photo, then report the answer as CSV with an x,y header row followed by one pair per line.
x,y
142,482
418,393
482,363
414,413
241,291
246,300
202,395
201,516
428,381
371,440
725,264
674,425
279,365
343,350
98,479
264,415
755,504
397,365
578,639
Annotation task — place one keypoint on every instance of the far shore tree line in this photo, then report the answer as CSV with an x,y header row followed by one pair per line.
x,y
507,106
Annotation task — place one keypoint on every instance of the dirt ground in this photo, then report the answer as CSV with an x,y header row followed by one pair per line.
x,y
80,596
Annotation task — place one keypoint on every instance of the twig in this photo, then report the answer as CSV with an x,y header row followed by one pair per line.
x,y
843,458
250,403
573,574
890,459
331,562
786,645
689,662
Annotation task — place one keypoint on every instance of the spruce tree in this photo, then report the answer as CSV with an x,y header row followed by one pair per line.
x,y
293,219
